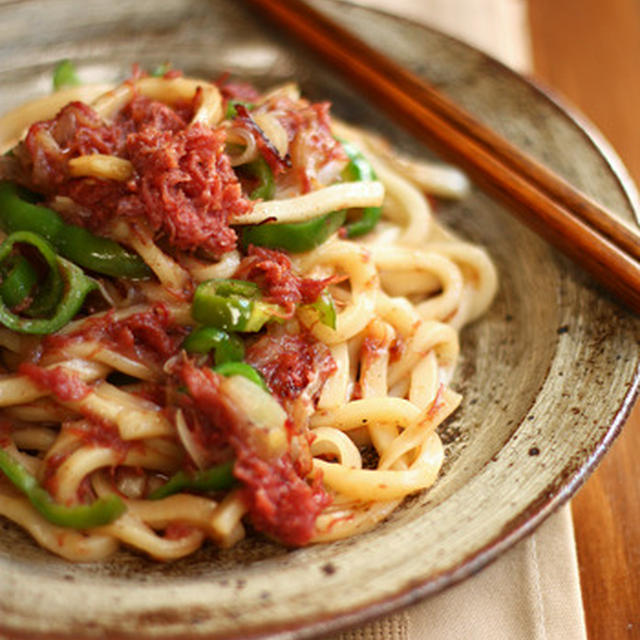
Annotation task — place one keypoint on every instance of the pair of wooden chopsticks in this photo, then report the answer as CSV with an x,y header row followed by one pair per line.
x,y
592,236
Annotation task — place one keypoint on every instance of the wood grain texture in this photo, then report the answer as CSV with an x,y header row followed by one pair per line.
x,y
597,69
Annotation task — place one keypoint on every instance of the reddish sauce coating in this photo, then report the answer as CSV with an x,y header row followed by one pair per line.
x,y
280,501
63,384
5,432
51,465
437,403
99,434
151,336
177,531
271,270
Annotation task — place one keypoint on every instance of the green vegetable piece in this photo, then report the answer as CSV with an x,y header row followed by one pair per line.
x,y
101,512
49,293
160,70
266,184
325,308
75,243
65,75
18,281
226,347
233,287
232,305
242,369
231,111
359,169
61,271
295,237
215,479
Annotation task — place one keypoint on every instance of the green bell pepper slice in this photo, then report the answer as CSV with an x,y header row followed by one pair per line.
x,y
243,369
298,237
295,237
49,293
232,305
227,347
67,281
65,75
325,308
71,241
359,169
266,184
159,70
232,112
18,280
85,516
216,478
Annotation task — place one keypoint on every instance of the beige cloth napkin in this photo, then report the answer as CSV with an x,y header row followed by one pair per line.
x,y
532,592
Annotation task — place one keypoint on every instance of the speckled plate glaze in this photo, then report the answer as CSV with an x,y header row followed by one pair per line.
x,y
548,375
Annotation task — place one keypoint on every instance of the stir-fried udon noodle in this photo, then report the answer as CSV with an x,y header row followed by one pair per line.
x,y
222,311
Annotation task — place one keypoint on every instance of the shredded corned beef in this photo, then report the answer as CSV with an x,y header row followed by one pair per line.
x,y
271,270
280,501
291,362
183,186
242,91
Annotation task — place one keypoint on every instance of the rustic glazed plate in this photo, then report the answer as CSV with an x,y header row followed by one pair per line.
x,y
548,375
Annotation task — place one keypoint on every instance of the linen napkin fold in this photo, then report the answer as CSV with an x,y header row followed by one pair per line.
x,y
532,592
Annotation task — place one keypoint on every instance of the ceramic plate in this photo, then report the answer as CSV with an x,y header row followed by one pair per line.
x,y
548,375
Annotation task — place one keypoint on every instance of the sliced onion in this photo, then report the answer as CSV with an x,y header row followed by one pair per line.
x,y
188,441
264,414
274,131
241,137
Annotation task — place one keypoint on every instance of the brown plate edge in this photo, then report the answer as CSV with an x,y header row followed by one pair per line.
x,y
514,530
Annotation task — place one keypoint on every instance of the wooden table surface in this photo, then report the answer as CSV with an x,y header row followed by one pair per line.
x,y
589,51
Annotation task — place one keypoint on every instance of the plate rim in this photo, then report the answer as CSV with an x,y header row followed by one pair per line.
x,y
521,525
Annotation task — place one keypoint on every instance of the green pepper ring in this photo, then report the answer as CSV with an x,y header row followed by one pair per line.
x,y
295,237
53,286
78,285
75,243
18,280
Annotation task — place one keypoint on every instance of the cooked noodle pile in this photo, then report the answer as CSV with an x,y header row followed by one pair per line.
x,y
220,310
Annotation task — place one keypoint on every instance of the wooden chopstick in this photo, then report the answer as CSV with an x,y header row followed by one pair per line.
x,y
593,237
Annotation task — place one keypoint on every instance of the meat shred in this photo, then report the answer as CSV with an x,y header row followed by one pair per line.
x,y
280,501
183,186
272,271
291,363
